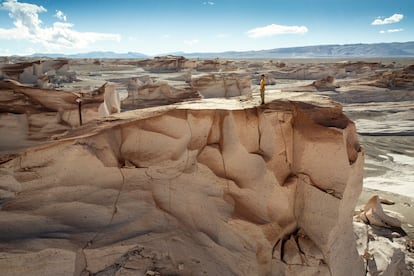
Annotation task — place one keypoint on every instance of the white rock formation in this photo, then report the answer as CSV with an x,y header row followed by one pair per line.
x,y
213,187
383,251
39,72
374,214
149,93
31,115
166,64
219,86
111,103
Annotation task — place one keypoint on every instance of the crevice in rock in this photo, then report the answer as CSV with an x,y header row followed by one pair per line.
x,y
114,211
115,207
284,142
259,132
330,192
85,262
284,235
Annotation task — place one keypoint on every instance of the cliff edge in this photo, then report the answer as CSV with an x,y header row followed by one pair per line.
x,y
215,186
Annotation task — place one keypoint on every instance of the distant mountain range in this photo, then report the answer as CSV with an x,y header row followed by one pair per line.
x,y
107,54
394,49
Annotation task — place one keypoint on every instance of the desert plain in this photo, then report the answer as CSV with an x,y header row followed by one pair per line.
x,y
135,115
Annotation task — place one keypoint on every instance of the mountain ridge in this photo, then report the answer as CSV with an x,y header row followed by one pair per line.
x,y
389,49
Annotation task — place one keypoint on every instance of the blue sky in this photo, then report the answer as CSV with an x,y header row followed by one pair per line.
x,y
162,26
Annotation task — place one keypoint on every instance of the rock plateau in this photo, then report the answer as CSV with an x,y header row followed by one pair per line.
x,y
214,186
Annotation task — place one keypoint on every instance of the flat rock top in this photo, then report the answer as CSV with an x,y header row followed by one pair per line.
x,y
273,97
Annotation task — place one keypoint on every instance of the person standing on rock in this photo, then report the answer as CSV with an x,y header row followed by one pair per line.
x,y
262,88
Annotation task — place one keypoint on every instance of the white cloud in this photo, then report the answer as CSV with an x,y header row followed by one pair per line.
x,y
222,35
395,18
211,3
60,15
391,31
28,26
273,29
191,42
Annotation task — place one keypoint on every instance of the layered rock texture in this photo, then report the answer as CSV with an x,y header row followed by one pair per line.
x,y
43,73
142,94
214,187
30,115
216,86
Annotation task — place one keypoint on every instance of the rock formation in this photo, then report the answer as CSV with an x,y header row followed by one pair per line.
x,y
111,103
151,93
394,79
40,72
381,241
375,215
166,64
218,86
325,84
34,114
217,186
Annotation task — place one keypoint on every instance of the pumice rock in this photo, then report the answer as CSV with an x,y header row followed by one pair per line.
x,y
324,84
151,93
375,215
31,115
111,103
214,186
166,64
219,86
39,72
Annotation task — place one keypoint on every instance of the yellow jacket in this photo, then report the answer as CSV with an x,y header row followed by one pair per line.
x,y
262,84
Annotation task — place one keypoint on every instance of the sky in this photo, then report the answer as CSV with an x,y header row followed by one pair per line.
x,y
155,27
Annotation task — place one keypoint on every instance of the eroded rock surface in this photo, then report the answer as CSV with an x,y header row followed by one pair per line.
x,y
43,73
219,86
218,187
149,93
30,115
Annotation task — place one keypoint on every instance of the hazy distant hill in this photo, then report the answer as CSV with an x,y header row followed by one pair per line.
x,y
395,49
94,55
405,49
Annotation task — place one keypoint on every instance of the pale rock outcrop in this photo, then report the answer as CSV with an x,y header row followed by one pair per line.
x,y
315,71
358,68
366,94
31,115
381,241
214,187
215,65
111,103
374,214
169,64
325,84
143,94
40,72
219,86
383,251
166,64
309,72
393,79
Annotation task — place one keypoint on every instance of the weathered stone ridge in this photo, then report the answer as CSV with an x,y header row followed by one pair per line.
x,y
189,189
